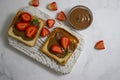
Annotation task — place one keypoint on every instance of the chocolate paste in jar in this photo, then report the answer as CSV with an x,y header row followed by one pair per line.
x,y
80,17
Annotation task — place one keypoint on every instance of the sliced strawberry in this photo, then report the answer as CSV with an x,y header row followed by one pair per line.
x,y
65,41
35,3
21,26
61,16
50,23
45,32
26,17
31,31
53,6
100,45
56,49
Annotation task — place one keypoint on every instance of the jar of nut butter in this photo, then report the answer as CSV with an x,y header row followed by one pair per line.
x,y
80,17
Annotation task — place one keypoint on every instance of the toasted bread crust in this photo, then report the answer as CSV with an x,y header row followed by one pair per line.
x,y
19,38
44,49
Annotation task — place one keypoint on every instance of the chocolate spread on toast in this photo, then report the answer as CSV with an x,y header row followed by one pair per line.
x,y
56,39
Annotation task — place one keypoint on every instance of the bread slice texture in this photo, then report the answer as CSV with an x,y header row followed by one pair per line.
x,y
44,48
19,38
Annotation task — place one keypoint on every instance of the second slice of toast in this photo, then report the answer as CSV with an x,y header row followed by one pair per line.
x,y
61,59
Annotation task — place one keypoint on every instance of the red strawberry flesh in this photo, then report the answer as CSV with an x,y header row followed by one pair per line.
x,y
35,3
61,16
52,6
45,32
56,49
26,17
31,31
65,41
21,26
50,23
100,45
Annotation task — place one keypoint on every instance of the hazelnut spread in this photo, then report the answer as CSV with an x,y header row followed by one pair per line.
x,y
80,17
55,40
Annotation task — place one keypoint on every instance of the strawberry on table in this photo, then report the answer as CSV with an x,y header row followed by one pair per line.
x,y
21,26
50,23
100,45
61,16
56,49
53,6
45,32
31,31
35,3
65,41
26,17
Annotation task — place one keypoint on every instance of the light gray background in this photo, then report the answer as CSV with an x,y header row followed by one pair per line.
x,y
91,65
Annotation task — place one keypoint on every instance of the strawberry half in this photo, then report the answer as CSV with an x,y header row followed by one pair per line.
x,y
56,49
26,17
100,45
61,16
50,23
31,31
45,32
35,3
21,26
53,6
65,41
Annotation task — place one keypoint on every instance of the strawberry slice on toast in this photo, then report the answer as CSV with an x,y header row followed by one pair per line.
x,y
65,41
56,49
31,31
26,17
21,26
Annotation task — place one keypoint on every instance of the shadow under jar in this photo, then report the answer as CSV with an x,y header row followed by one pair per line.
x,y
80,17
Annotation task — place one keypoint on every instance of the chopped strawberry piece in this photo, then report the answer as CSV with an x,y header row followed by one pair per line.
x,y
65,41
26,17
61,16
53,6
31,31
45,32
100,45
21,26
56,49
35,3
50,23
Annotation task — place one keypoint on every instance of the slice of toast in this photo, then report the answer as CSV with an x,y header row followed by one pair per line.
x,y
45,49
19,38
